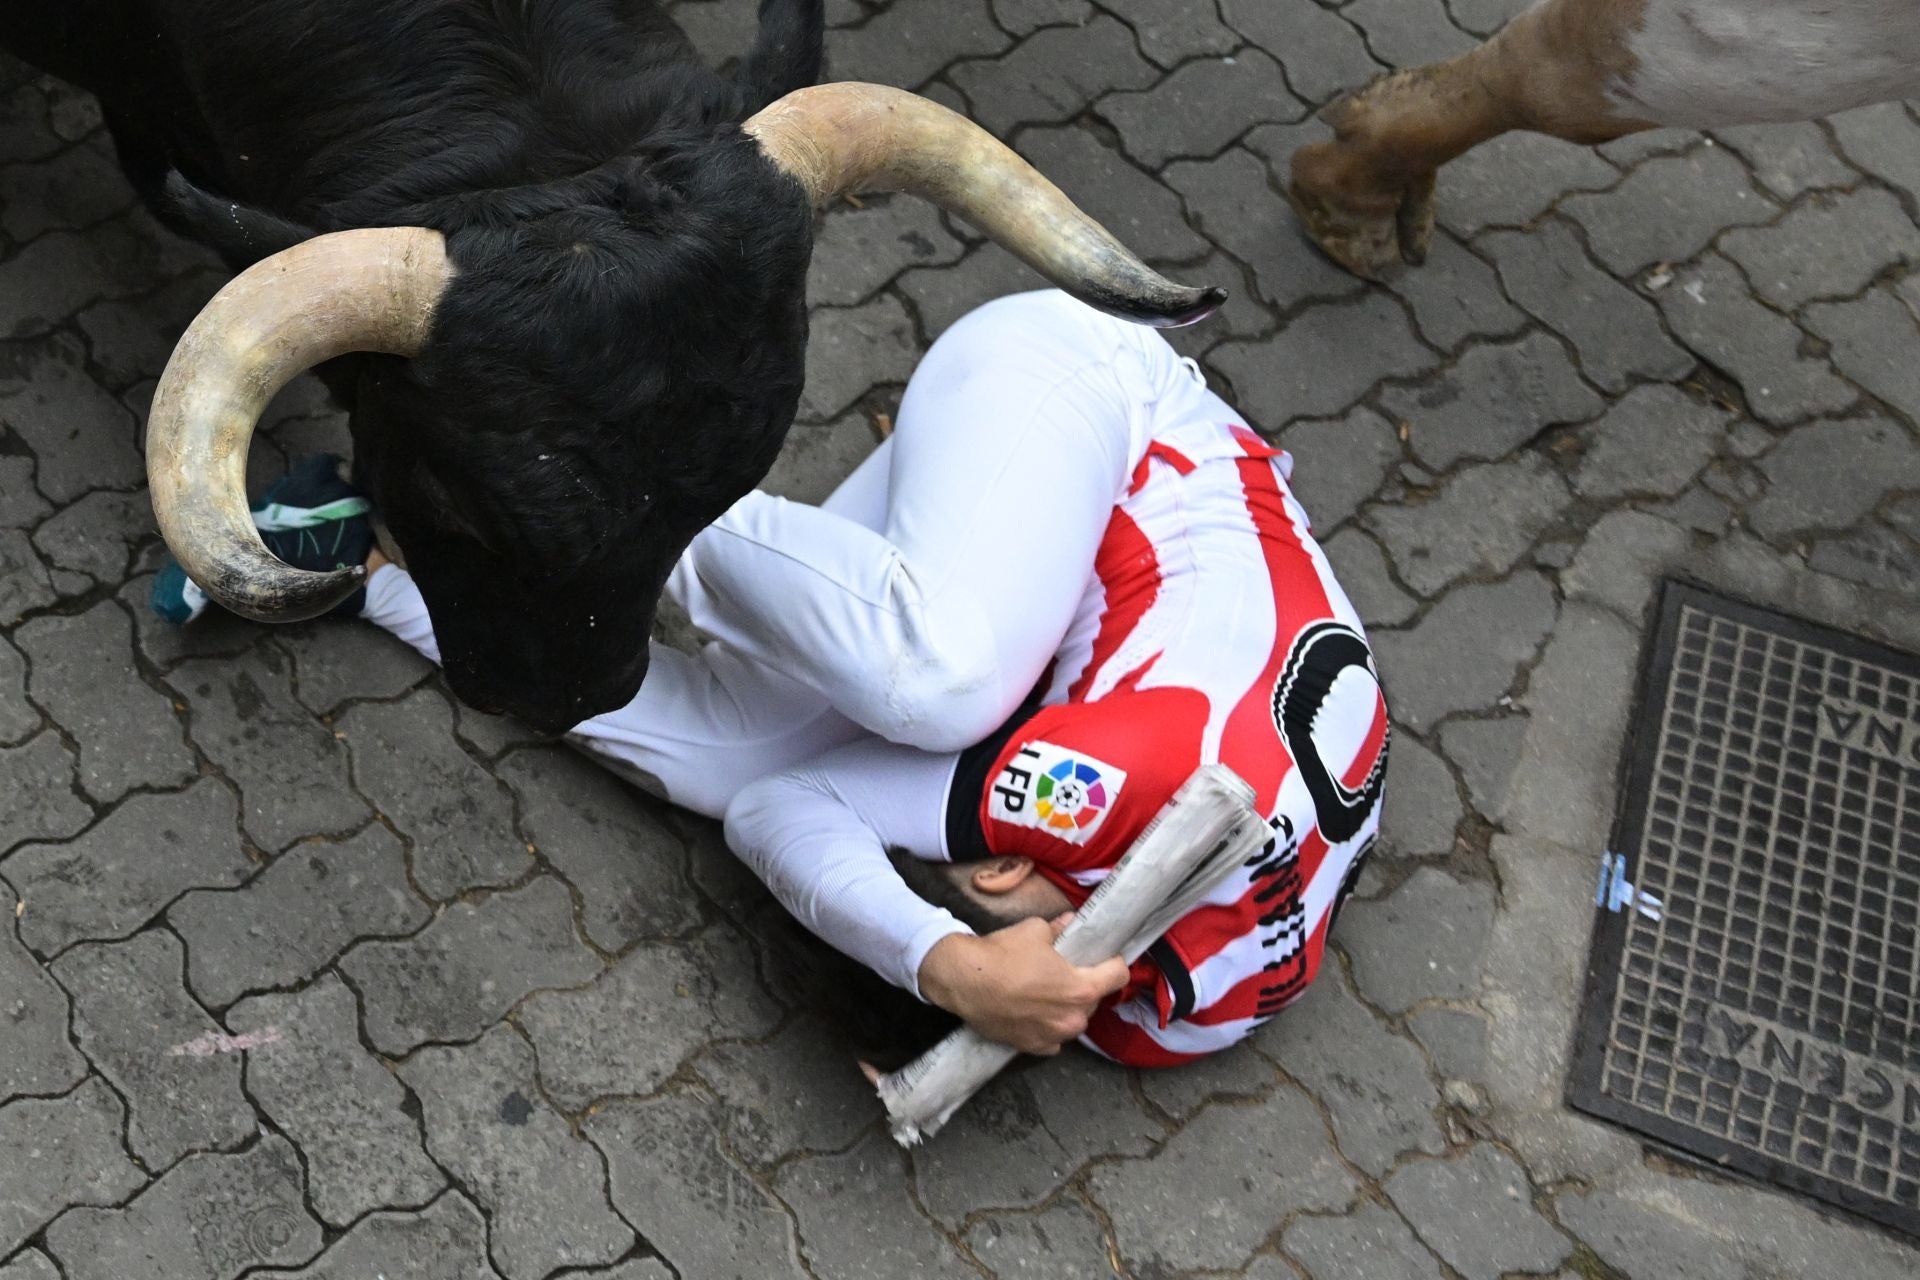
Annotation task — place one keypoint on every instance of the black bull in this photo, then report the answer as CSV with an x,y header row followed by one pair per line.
x,y
620,350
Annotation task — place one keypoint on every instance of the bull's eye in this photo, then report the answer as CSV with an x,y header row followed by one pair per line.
x,y
443,510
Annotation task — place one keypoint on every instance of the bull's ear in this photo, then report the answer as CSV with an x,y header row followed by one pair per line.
x,y
788,53
239,233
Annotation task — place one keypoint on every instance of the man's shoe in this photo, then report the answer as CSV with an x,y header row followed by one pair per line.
x,y
310,517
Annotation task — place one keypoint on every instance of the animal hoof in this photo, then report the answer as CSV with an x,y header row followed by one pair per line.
x,y
1414,222
1367,245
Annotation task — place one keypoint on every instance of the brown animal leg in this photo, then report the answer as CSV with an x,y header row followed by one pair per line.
x,y
1367,196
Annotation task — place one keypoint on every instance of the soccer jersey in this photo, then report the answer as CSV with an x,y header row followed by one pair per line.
x,y
1213,631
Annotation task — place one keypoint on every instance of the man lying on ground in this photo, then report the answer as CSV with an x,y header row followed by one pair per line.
x,y
938,708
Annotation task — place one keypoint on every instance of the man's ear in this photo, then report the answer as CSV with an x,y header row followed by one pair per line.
x,y
1003,874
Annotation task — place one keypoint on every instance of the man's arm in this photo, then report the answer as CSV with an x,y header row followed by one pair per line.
x,y
818,837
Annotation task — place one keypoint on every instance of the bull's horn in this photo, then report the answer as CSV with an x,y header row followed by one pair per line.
x,y
838,139
364,290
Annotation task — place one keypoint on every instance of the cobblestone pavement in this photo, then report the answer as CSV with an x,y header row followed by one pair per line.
x,y
508,1019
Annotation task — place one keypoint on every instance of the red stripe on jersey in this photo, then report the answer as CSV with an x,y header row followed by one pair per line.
x,y
1129,573
1131,1043
1161,452
1250,744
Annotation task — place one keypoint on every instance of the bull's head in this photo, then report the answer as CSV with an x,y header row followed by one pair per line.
x,y
541,546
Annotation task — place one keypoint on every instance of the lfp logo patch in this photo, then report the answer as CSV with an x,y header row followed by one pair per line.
x,y
1062,792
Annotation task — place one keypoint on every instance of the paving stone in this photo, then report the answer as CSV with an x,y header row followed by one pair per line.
x,y
818,456
799,1091
1172,31
39,1059
643,1269
1789,159
1668,209
1492,401
1646,144
1883,140
97,535
1455,296
62,1152
81,437
291,772
1371,1241
911,40
1485,752
47,281
21,505
1698,508
1653,440
1144,214
1053,74
1361,568
687,1196
543,1188
210,1217
858,249
1373,1083
296,916
1616,332
28,1264
130,340
1200,108
445,1241
465,970
1827,246
1696,1229
1577,699
1711,311
1873,338
83,187
1026,1133
1408,33
1339,463
1424,942
1476,1213
1322,361
629,870
123,872
490,734
1513,179
1827,475
1484,17
889,1238
25,584
133,1017
1235,1074
341,1105
851,349
457,818
1482,521
1454,1038
39,796
215,633
1622,560
590,1044
1250,1165
1234,201
127,731
1872,556
1324,53
333,663
943,296
1422,805
1465,652
1063,1243
1023,16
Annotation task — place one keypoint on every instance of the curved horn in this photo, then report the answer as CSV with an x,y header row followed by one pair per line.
x,y
365,290
837,139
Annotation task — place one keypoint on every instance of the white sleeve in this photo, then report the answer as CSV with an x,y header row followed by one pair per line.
x,y
818,836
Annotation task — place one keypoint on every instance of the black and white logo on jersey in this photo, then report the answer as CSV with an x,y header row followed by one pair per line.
x,y
1321,656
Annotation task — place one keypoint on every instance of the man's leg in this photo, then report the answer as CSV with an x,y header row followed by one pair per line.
x,y
1016,437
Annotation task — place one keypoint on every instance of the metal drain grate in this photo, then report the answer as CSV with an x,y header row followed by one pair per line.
x,y
1753,994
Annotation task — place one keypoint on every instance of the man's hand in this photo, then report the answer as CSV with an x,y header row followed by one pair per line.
x,y
1012,986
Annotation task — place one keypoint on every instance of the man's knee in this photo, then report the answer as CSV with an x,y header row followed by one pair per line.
x,y
944,701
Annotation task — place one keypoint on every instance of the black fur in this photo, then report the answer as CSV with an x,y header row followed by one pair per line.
x,y
621,352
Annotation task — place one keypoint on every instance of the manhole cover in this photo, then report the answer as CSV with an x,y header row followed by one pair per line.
x,y
1751,996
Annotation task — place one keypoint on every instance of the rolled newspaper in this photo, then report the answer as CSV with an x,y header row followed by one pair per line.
x,y
1209,828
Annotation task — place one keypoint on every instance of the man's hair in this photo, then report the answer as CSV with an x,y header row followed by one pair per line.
x,y
939,884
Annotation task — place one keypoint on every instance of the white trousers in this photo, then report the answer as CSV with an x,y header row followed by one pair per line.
x,y
924,599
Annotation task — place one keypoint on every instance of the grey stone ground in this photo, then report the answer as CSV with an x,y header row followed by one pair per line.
x,y
508,1019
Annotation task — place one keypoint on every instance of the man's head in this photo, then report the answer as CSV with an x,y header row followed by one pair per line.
x,y
984,894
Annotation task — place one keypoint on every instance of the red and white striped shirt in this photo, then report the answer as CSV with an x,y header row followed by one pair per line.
x,y
1213,631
